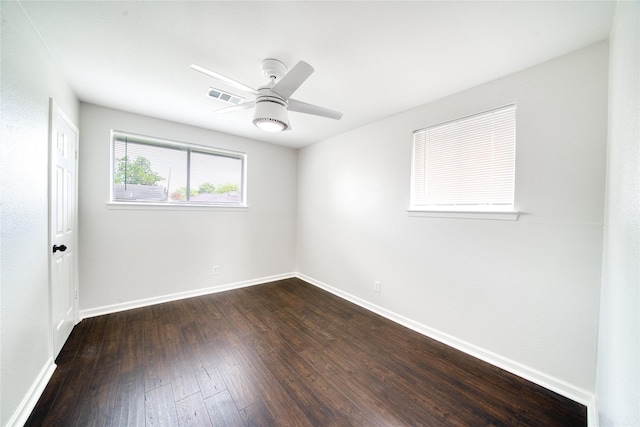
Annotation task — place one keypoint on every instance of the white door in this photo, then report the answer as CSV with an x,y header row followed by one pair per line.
x,y
63,225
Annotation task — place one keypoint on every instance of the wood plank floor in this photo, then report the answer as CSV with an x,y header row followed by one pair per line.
x,y
279,354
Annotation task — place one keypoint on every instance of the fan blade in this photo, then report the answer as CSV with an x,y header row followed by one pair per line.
x,y
243,106
291,81
303,107
225,79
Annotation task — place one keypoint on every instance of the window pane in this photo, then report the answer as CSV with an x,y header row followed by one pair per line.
x,y
144,172
148,169
215,178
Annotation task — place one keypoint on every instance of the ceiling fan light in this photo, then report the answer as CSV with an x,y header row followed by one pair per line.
x,y
271,116
269,125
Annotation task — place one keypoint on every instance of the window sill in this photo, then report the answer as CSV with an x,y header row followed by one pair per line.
x,y
497,215
175,207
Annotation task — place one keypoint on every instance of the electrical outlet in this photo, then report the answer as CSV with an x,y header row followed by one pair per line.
x,y
214,270
376,286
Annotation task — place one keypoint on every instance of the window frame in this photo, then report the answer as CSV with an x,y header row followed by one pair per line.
x,y
465,211
182,146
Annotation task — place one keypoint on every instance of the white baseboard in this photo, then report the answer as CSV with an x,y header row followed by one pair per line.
x,y
20,416
547,381
114,308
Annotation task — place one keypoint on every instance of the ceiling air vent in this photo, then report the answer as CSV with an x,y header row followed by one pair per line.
x,y
224,96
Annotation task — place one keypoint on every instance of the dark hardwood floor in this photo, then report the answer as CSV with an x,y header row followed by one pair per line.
x,y
281,353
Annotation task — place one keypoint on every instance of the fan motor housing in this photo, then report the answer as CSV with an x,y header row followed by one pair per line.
x,y
271,114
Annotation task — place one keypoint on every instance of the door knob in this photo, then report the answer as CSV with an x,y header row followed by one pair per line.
x,y
60,248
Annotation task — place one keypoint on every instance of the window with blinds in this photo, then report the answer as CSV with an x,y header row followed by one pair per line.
x,y
466,165
154,170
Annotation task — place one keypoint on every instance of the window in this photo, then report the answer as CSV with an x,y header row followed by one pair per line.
x,y
466,165
158,171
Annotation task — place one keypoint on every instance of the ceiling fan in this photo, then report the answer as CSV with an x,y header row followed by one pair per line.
x,y
273,101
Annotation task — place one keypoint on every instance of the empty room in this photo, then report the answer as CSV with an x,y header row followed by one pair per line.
x,y
314,213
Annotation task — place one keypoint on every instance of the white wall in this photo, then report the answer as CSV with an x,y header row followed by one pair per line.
x,y
618,373
29,78
138,255
523,293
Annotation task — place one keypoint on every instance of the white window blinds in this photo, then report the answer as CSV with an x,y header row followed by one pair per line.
x,y
466,164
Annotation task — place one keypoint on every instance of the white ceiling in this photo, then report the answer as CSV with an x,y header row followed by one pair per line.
x,y
372,59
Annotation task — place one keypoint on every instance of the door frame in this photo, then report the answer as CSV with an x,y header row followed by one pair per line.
x,y
54,109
